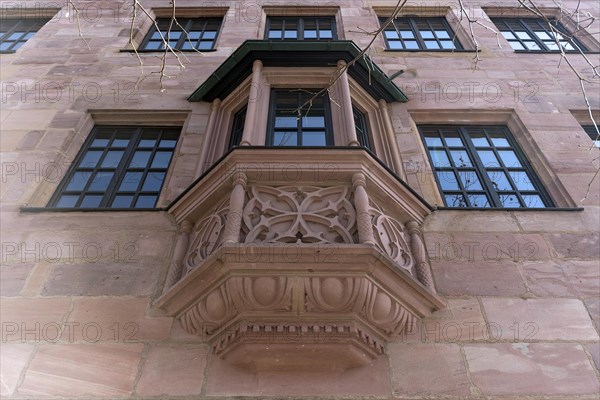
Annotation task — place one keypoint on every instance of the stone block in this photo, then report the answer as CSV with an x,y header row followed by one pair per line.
x,y
427,370
32,319
570,245
173,370
13,277
531,368
82,370
569,278
539,319
14,359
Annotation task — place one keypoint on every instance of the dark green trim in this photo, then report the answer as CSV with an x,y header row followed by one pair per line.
x,y
305,53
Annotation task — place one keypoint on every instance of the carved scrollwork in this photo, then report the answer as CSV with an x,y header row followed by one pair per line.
x,y
207,236
304,214
391,237
359,295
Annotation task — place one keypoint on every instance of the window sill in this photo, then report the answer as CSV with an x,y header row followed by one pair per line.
x,y
163,50
509,209
56,209
8,51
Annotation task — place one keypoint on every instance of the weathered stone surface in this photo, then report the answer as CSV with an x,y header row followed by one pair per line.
x,y
226,380
539,319
445,374
567,245
115,319
14,359
531,368
478,278
13,278
594,350
32,319
461,321
593,306
96,279
563,278
77,370
175,370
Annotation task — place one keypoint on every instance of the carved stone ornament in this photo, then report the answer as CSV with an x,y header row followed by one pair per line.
x,y
316,274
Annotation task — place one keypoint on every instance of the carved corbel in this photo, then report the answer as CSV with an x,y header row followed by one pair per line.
x,y
417,245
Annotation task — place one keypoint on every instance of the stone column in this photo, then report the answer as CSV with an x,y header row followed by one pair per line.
x,y
389,130
346,103
363,216
181,248
417,246
236,206
250,123
210,134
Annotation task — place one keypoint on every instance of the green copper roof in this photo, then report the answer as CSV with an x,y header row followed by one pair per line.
x,y
238,66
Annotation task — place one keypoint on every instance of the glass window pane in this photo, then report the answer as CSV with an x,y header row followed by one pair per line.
x,y
120,143
439,158
314,139
290,34
90,159
447,44
407,34
442,34
78,181
140,159
194,35
517,46
286,122
522,180
153,45
122,202
488,158
274,34
499,180
470,180
509,158
313,122
509,200
326,34
153,182
410,44
145,202
432,44
91,201
186,46
500,142
130,181
447,180
67,201
461,158
392,34
285,139
427,34
433,141
523,35
209,35
395,45
479,200
147,143
454,141
99,143
455,200
479,140
543,35
111,159
533,201
508,35
100,181
167,143
5,45
204,45
161,159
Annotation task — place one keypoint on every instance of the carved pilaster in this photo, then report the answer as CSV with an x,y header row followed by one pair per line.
x,y
236,206
363,216
208,147
347,105
417,245
389,130
249,124
181,247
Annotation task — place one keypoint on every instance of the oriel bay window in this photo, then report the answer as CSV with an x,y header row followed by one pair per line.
x,y
482,167
298,119
119,167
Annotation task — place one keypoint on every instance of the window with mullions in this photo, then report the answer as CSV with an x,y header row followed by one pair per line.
x,y
237,130
288,128
191,34
119,167
15,32
419,34
300,28
362,132
482,167
535,34
592,133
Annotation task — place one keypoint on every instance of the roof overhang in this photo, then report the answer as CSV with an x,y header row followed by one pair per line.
x,y
238,66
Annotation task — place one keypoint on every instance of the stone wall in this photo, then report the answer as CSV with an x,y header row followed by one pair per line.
x,y
522,287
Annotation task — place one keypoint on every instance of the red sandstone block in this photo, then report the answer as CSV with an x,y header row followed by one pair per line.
x,y
539,319
114,319
32,319
77,370
563,278
531,368
427,370
12,362
175,370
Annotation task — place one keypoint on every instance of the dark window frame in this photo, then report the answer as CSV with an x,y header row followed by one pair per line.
x,y
328,121
412,22
187,24
300,24
525,24
481,169
237,128
362,128
592,133
27,26
135,135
